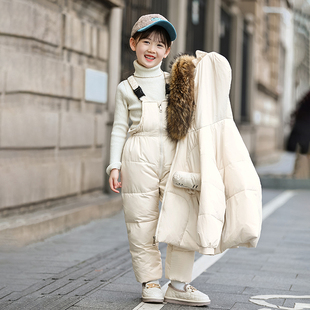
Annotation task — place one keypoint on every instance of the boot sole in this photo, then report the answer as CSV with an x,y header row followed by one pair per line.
x,y
154,301
187,303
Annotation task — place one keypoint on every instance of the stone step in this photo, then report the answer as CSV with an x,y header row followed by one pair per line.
x,y
20,230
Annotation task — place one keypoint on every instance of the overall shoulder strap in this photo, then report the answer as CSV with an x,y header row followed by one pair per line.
x,y
167,77
167,81
135,87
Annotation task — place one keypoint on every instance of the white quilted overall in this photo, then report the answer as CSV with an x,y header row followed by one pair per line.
x,y
146,161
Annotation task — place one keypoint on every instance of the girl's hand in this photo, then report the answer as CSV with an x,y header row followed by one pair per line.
x,y
113,180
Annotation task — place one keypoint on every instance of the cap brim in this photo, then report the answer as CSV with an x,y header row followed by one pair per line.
x,y
165,24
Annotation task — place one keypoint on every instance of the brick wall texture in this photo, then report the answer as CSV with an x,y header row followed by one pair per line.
x,y
51,139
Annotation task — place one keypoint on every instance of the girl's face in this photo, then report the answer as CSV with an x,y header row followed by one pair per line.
x,y
150,51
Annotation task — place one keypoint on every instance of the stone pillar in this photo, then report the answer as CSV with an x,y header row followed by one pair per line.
x,y
250,65
250,98
212,25
287,40
177,15
115,41
236,60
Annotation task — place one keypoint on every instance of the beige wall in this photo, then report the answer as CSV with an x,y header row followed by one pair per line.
x,y
51,139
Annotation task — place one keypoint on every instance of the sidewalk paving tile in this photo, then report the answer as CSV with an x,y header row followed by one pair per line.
x,y
111,300
305,286
290,302
244,306
128,288
69,287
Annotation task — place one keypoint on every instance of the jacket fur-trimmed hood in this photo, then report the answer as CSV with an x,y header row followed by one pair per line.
x,y
181,106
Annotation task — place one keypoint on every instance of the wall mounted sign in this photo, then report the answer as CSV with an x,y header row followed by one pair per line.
x,y
96,86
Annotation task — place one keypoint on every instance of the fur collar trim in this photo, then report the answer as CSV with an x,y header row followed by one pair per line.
x,y
181,106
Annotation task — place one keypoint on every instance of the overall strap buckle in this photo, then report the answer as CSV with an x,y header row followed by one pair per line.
x,y
135,87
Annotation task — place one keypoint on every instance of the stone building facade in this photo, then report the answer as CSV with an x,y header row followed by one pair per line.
x,y
272,74
60,63
53,128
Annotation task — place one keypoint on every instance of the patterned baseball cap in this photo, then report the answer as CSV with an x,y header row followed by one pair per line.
x,y
147,21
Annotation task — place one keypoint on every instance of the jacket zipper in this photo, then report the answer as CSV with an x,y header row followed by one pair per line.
x,y
160,139
161,147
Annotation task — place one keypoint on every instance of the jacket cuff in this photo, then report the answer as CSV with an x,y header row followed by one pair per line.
x,y
113,166
207,251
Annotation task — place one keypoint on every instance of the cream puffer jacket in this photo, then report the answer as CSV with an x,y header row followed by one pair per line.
x,y
224,209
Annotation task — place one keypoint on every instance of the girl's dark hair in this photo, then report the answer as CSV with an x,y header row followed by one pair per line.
x,y
160,33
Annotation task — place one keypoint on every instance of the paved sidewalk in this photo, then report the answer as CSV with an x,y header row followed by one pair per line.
x,y
280,174
89,267
283,167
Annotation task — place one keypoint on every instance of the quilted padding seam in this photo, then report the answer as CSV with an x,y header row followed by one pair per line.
x,y
211,215
247,189
235,162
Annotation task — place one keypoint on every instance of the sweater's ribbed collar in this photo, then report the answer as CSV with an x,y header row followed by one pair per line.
x,y
141,71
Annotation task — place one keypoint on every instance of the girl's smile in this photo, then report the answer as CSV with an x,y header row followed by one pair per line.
x,y
149,57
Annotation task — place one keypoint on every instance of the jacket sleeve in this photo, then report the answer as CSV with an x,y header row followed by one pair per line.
x,y
230,202
243,215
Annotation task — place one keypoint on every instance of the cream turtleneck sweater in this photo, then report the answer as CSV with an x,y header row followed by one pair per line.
x,y
127,105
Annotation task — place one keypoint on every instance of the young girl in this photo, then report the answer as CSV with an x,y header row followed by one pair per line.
x,y
145,160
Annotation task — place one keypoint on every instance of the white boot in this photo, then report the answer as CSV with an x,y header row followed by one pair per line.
x,y
151,292
188,296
